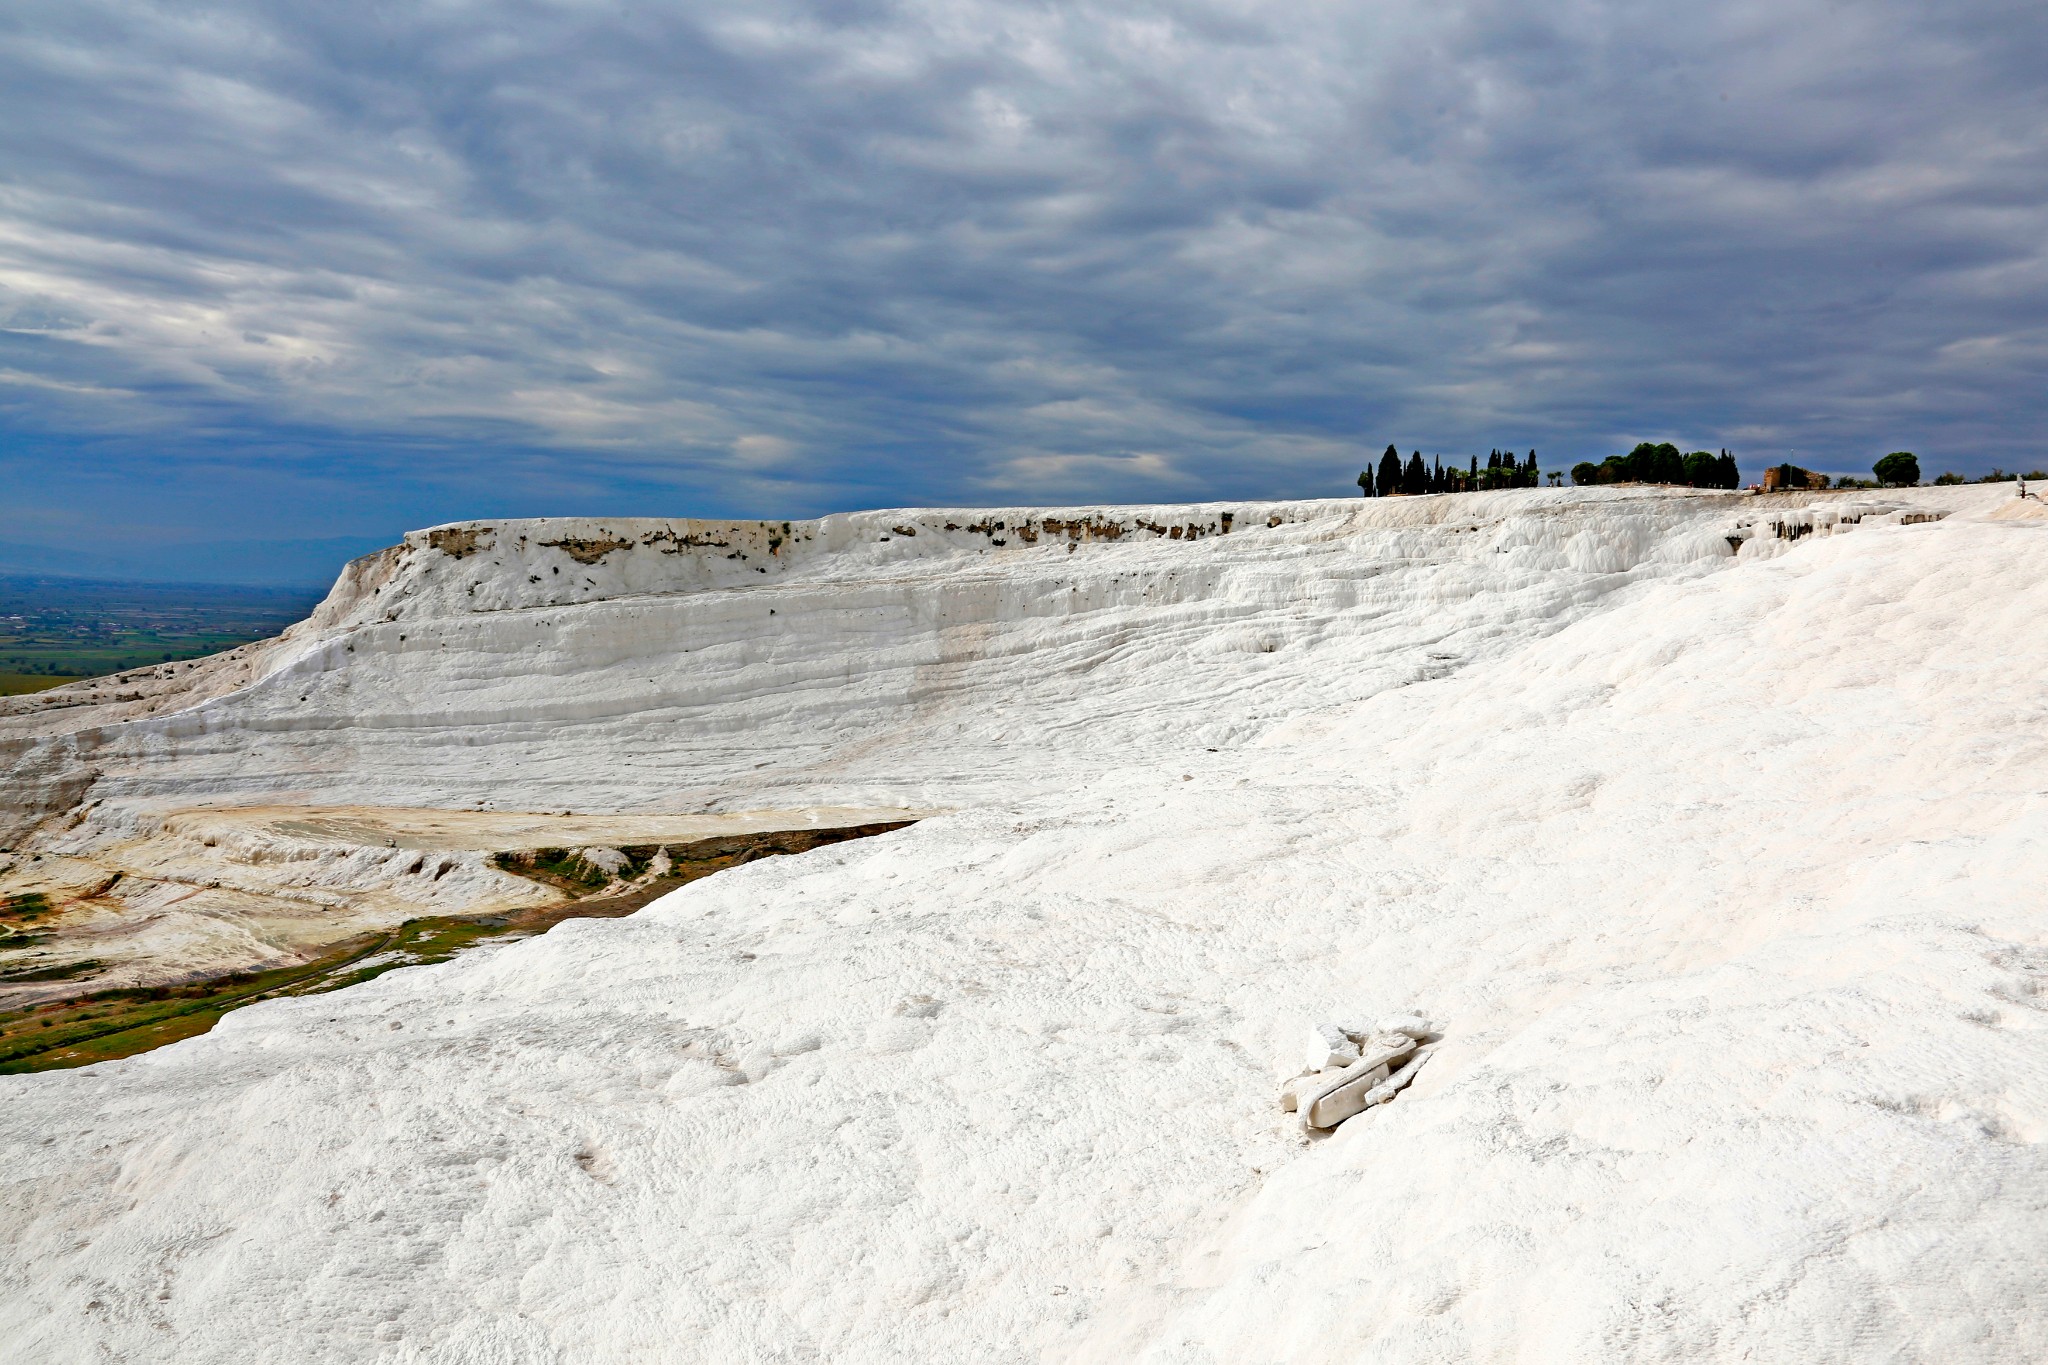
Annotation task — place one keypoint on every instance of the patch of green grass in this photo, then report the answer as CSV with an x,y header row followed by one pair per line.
x,y
108,1024
24,906
63,971
565,870
119,1023
17,913
21,684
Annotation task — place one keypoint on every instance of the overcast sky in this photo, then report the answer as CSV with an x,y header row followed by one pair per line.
x,y
299,275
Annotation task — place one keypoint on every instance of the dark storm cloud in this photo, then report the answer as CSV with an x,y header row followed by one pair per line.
x,y
790,255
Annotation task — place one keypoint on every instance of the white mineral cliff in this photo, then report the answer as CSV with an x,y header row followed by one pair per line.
x,y
1712,847
605,664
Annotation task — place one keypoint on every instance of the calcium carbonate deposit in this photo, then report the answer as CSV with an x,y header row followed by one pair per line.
x,y
1705,837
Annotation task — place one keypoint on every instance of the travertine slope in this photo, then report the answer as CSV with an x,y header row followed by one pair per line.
x,y
1712,844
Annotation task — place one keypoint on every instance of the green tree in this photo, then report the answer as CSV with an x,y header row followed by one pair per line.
x,y
1660,462
1390,473
1365,482
1897,470
1415,479
1585,472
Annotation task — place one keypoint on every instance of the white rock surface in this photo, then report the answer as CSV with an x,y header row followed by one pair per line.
x,y
1722,865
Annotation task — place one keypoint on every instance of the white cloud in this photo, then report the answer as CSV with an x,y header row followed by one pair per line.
x,y
759,451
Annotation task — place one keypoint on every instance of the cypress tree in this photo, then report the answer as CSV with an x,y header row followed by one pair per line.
x,y
1390,473
1365,482
1414,478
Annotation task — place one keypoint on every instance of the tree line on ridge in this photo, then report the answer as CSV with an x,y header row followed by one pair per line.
x,y
1503,470
1662,463
1647,463
1658,462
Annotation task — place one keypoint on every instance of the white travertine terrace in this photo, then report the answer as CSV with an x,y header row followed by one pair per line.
x,y
1713,852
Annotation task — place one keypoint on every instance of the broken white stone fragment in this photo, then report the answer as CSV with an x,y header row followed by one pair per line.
x,y
1290,1093
1328,1046
1394,1084
1413,1025
1328,1100
1334,1083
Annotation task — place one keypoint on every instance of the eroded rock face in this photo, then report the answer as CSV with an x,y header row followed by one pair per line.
x,y
459,541
41,780
571,643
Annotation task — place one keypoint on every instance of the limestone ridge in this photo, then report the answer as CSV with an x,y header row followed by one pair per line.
x,y
469,567
624,660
